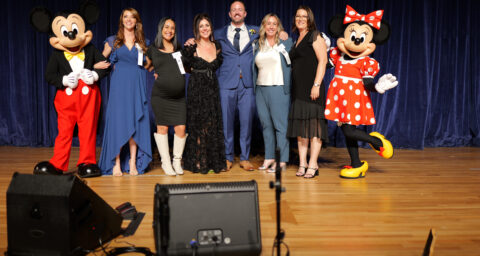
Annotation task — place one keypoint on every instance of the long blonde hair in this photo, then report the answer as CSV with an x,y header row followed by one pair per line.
x,y
139,35
261,39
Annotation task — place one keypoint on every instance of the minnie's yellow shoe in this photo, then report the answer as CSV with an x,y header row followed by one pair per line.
x,y
387,150
354,173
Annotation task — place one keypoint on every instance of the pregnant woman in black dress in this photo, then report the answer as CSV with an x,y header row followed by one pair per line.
x,y
205,149
168,95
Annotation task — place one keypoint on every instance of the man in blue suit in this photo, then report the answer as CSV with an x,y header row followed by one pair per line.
x,y
235,79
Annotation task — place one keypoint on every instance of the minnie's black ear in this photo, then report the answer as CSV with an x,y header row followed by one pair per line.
x,y
41,18
90,11
336,26
381,36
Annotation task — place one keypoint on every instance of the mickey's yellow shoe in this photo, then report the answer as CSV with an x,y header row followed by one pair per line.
x,y
354,173
387,150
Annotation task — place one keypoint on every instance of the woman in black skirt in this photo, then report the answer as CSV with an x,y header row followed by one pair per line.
x,y
306,120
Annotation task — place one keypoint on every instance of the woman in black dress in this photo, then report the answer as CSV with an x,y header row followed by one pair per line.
x,y
306,119
205,149
168,95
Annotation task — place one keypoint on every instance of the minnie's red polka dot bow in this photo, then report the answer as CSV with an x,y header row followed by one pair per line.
x,y
373,19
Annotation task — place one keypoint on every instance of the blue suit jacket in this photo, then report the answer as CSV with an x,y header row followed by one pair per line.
x,y
233,61
286,69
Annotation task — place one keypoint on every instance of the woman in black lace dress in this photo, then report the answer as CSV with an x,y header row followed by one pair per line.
x,y
205,148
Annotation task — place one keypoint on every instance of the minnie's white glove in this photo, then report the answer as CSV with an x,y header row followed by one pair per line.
x,y
71,80
385,83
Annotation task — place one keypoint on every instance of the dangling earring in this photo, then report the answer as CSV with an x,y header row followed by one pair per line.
x,y
136,26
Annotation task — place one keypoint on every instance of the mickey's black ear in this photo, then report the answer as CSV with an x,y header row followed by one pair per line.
x,y
90,11
382,35
40,18
336,26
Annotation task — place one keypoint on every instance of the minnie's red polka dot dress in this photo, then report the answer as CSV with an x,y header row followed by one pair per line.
x,y
347,100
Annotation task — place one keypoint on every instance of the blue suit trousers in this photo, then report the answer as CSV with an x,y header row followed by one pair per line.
x,y
241,99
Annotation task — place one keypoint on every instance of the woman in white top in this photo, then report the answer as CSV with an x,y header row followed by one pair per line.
x,y
271,77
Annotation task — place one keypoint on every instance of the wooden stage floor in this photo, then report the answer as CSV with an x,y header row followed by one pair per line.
x,y
390,212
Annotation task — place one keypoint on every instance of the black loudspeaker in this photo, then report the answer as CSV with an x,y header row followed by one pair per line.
x,y
207,219
57,215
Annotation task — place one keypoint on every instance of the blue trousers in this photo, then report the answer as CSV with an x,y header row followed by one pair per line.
x,y
243,100
273,106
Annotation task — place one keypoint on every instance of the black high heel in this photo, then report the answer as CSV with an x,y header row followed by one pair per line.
x,y
308,175
300,174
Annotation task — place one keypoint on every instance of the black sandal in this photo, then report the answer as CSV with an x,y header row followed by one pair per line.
x,y
300,174
310,175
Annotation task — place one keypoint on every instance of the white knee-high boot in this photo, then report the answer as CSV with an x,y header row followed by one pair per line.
x,y
178,146
162,145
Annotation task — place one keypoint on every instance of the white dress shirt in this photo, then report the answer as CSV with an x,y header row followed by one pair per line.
x,y
76,64
244,37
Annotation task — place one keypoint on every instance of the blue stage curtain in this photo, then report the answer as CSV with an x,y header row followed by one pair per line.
x,y
433,50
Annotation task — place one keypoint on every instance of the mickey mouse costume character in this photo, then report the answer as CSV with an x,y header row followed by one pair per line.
x,y
348,96
77,100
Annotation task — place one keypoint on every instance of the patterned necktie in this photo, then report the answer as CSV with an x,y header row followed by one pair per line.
x,y
236,39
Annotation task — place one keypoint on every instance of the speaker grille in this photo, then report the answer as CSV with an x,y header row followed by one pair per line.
x,y
239,186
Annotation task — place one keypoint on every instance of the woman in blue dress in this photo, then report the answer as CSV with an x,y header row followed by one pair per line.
x,y
126,141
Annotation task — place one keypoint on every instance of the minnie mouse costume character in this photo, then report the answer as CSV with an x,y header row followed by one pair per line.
x,y
348,96
77,100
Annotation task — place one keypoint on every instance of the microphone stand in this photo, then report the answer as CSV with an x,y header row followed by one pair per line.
x,y
277,185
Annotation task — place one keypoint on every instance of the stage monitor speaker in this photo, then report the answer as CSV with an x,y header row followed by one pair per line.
x,y
208,219
56,215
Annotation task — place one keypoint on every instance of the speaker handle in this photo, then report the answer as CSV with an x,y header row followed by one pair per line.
x,y
84,212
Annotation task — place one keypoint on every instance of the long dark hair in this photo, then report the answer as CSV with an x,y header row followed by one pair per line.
x,y
196,25
159,37
311,26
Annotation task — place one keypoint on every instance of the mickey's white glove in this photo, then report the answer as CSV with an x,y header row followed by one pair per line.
x,y
385,83
89,77
71,80
327,40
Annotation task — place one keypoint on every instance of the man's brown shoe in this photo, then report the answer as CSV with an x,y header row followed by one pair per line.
x,y
229,165
246,165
